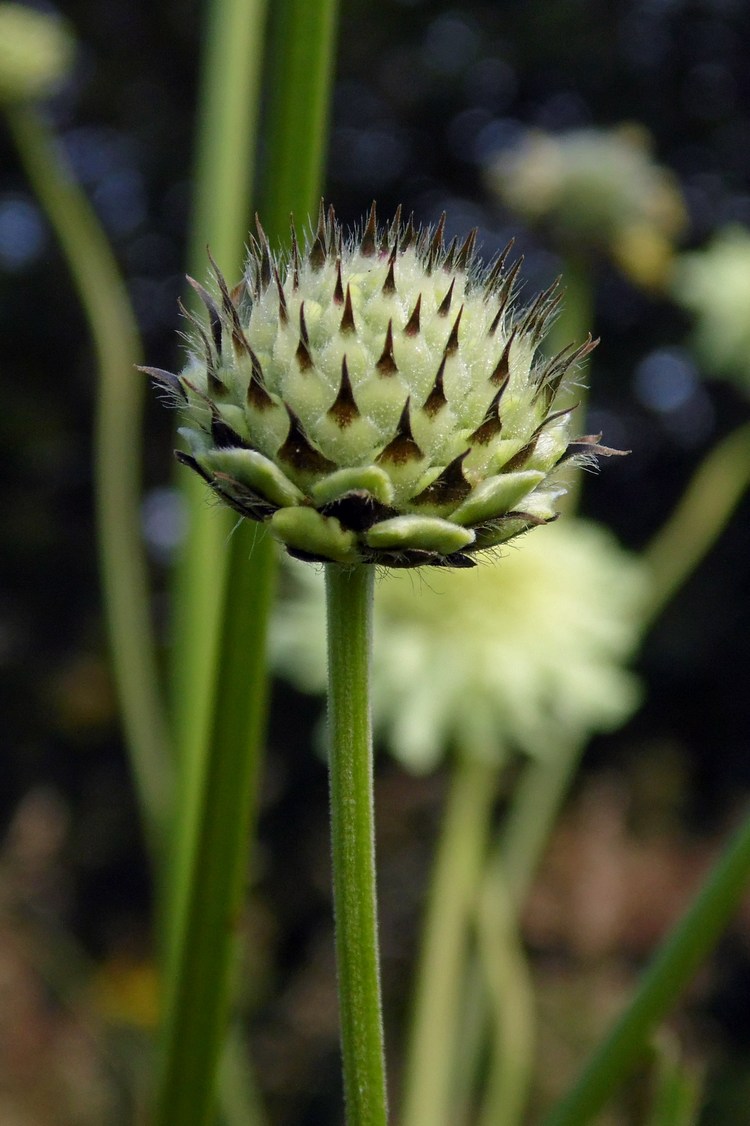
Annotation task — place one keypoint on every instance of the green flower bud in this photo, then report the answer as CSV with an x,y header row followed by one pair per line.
x,y
378,399
36,52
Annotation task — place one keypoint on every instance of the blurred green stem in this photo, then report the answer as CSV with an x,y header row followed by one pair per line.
x,y
511,998
226,140
301,72
669,972
349,613
537,798
117,444
227,120
465,827
576,317
221,601
573,325
227,124
700,516
199,994
677,1087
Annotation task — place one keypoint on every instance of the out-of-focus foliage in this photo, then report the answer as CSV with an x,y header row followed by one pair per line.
x,y
523,653
714,285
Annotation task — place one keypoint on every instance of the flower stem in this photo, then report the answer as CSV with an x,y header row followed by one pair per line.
x,y
429,1081
218,719
349,602
304,39
537,800
117,442
200,983
701,515
226,122
669,972
511,998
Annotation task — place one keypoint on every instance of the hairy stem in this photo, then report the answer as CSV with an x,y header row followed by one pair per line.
x,y
349,602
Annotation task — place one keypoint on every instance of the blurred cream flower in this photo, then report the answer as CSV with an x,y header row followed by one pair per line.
x,y
714,285
36,52
519,655
596,190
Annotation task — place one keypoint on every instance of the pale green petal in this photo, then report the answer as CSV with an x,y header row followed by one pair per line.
x,y
304,529
257,472
426,533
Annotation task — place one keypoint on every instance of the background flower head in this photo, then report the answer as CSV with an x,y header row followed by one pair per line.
x,y
596,190
517,656
36,52
713,284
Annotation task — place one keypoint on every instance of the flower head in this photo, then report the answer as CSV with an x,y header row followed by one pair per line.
x,y
597,190
378,399
714,285
36,52
520,657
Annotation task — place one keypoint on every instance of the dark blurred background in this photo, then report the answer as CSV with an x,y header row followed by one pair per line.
x,y
426,93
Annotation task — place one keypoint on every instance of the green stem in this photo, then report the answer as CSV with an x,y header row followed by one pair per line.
x,y
676,1087
702,513
227,122
200,989
202,600
537,799
117,443
301,76
669,972
349,602
511,997
574,324
429,1077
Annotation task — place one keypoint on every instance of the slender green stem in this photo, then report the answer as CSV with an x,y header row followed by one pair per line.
x,y
539,794
200,989
227,125
203,604
226,141
117,442
304,37
574,324
669,972
429,1075
702,513
349,608
511,998
676,1087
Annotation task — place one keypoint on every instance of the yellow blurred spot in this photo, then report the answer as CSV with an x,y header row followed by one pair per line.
x,y
125,990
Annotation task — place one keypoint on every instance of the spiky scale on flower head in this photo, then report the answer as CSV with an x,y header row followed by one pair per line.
x,y
377,399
